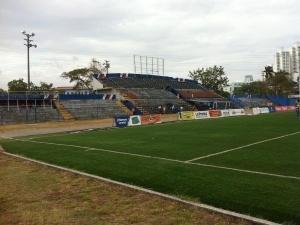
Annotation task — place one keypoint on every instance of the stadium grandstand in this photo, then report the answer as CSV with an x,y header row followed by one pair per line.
x,y
122,94
148,94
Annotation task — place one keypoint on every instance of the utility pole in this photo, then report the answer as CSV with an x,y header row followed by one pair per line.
x,y
28,45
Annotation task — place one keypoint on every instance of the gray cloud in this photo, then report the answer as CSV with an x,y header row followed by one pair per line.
x,y
241,35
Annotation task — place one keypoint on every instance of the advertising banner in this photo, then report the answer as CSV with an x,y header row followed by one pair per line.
x,y
186,115
264,110
121,121
151,119
237,112
134,120
225,113
278,108
284,108
256,110
272,109
248,111
201,115
214,113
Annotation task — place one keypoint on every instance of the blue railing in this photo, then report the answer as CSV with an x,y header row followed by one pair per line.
x,y
130,106
236,102
283,101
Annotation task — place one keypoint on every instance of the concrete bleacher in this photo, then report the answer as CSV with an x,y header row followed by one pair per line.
x,y
199,94
148,92
130,83
92,108
145,81
29,115
155,100
254,102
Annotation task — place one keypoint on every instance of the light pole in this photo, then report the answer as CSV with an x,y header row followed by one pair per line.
x,y
299,85
106,65
28,45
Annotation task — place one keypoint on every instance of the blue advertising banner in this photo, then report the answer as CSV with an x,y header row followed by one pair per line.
x,y
121,121
272,109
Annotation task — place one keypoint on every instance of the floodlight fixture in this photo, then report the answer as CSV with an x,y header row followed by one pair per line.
x,y
106,65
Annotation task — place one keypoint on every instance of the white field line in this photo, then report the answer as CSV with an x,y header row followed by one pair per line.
x,y
197,205
160,158
244,146
94,149
245,171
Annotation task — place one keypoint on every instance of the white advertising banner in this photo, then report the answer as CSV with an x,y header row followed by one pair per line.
x,y
256,110
264,110
237,112
225,113
134,121
201,115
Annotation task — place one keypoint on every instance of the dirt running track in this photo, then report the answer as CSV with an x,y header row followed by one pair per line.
x,y
18,130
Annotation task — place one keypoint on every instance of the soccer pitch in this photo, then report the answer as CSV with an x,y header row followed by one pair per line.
x,y
245,164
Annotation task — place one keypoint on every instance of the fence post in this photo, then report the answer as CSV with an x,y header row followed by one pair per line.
x,y
26,115
35,120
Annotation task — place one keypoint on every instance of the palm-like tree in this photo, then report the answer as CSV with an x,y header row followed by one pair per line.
x,y
269,73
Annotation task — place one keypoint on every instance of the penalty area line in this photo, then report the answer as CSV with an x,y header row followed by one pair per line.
x,y
89,149
244,146
245,171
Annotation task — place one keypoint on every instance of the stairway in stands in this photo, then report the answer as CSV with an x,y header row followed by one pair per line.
x,y
190,107
63,111
126,97
122,106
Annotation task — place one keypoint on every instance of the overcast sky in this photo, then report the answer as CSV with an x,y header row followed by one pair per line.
x,y
240,35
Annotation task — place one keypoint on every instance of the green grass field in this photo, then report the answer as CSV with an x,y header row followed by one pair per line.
x,y
246,164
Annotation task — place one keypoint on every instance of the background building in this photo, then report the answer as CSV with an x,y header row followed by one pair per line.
x,y
288,61
295,58
282,61
234,85
248,79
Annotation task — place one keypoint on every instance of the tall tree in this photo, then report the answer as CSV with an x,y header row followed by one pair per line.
x,y
19,85
257,87
269,73
282,84
96,67
44,86
83,77
213,78
2,91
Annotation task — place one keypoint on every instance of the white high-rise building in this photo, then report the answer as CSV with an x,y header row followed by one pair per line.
x,y
296,63
282,61
288,61
295,58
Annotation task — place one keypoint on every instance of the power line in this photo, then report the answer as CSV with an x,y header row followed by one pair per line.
x,y
121,55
